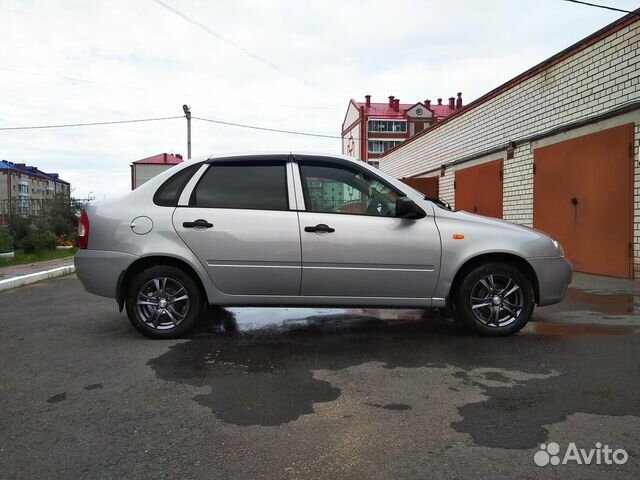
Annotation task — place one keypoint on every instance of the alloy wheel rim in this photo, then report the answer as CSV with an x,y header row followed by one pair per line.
x,y
162,303
496,300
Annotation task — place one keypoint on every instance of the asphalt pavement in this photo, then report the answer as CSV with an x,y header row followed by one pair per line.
x,y
316,393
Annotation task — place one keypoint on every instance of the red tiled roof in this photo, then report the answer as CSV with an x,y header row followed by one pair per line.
x,y
383,110
161,158
442,111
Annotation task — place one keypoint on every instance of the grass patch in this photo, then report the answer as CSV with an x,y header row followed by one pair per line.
x,y
22,258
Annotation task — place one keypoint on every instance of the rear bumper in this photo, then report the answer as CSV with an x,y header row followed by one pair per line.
x,y
554,276
100,270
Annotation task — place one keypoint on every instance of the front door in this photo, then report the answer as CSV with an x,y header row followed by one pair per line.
x,y
352,243
241,228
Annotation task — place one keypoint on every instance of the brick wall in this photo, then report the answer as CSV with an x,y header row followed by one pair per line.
x,y
598,78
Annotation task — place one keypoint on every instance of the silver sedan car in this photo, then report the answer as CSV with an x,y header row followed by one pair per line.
x,y
307,230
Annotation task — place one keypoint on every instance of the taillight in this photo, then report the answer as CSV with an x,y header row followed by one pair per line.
x,y
83,231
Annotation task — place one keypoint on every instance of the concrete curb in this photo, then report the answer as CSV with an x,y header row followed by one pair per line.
x,y
14,282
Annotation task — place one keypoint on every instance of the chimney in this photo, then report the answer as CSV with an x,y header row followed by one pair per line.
x,y
452,103
391,97
439,101
459,101
396,104
427,103
367,100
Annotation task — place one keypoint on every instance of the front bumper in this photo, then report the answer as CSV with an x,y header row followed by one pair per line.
x,y
99,270
554,276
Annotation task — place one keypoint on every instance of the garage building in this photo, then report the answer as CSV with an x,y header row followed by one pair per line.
x,y
555,148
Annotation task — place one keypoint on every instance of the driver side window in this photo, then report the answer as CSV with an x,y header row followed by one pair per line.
x,y
338,189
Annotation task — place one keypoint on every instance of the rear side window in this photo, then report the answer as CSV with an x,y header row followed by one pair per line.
x,y
245,185
169,192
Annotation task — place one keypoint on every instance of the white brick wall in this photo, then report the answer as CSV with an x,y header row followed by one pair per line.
x,y
517,196
446,189
596,79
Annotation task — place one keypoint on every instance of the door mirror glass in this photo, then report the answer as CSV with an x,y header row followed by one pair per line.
x,y
407,208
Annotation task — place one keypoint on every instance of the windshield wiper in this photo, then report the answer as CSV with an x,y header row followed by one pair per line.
x,y
438,201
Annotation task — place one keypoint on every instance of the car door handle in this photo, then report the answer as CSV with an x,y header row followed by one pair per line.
x,y
200,223
321,227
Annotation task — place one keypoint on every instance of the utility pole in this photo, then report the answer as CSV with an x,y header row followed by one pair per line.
x,y
187,113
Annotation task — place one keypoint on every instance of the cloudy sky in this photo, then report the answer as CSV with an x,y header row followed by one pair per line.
x,y
73,61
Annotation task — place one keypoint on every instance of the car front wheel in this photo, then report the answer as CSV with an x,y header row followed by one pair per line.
x,y
494,299
163,302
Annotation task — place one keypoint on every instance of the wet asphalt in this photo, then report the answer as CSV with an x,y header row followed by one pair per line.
x,y
314,393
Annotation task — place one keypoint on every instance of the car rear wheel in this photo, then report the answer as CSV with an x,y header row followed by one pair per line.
x,y
164,302
494,299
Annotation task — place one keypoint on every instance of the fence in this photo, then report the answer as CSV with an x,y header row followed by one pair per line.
x,y
32,208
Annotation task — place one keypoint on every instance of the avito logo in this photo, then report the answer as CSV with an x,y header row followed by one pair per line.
x,y
549,454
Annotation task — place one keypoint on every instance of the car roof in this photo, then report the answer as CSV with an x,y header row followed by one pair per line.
x,y
257,156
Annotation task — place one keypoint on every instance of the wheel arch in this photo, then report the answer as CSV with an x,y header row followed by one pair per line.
x,y
151,261
499,257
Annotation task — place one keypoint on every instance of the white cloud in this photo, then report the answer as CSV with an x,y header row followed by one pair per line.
x,y
137,60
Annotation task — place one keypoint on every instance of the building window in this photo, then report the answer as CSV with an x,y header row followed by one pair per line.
x,y
393,126
381,146
374,163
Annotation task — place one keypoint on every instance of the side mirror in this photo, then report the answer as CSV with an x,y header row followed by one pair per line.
x,y
407,208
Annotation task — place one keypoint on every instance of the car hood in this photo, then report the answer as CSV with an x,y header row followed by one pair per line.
x,y
495,233
474,217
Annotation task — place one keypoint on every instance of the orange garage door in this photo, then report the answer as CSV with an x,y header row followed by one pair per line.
x,y
479,189
582,197
428,186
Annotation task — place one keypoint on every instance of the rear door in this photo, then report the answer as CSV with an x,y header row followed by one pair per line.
x,y
352,243
242,225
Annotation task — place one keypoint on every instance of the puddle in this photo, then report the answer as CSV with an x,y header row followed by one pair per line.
x,y
541,328
256,368
613,304
278,320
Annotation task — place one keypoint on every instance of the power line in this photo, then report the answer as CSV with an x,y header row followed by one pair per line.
x,y
220,122
244,50
91,124
255,127
606,7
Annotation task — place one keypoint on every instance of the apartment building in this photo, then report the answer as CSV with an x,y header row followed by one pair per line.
x,y
370,129
24,187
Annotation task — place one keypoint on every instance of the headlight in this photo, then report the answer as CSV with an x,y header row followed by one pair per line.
x,y
558,246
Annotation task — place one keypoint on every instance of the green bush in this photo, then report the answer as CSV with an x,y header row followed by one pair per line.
x,y
6,241
19,226
38,242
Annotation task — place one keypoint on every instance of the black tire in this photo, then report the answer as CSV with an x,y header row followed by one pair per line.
x,y
178,316
486,301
